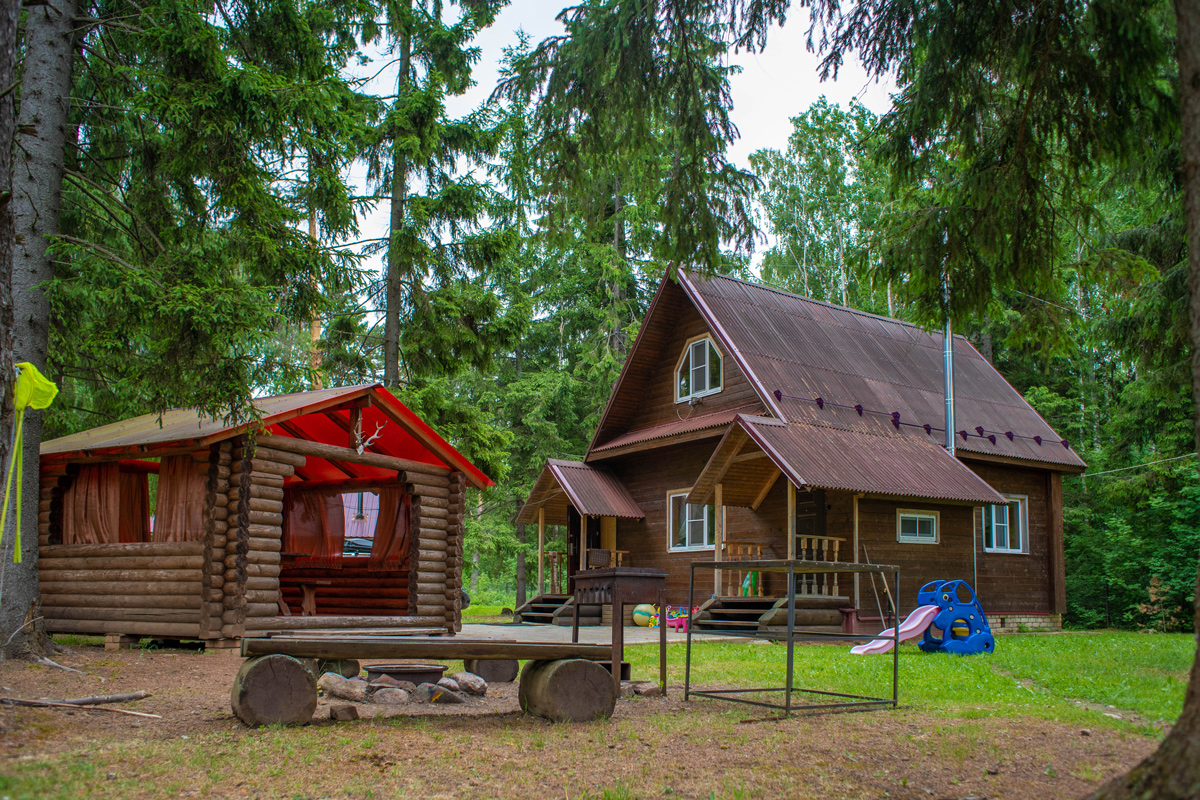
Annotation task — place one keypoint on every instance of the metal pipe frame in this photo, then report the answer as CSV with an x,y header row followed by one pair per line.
x,y
864,702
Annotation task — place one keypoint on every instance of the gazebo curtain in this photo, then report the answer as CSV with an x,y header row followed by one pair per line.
x,y
179,515
92,506
314,527
135,506
390,547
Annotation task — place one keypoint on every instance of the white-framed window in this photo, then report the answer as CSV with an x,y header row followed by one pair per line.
x,y
917,527
698,372
689,526
1006,527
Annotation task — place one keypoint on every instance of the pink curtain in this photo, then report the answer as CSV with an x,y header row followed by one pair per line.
x,y
314,527
92,506
135,506
390,548
179,513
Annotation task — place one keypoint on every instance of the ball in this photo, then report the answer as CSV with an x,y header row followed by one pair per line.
x,y
644,614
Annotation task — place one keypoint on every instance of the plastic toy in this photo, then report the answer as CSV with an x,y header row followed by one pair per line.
x,y
677,619
645,615
963,624
750,585
913,626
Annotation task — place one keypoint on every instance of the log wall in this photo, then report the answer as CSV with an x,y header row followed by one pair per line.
x,y
252,554
350,591
148,589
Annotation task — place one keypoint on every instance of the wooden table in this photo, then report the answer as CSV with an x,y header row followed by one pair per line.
x,y
618,586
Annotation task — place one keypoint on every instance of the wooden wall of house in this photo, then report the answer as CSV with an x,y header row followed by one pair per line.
x,y
1007,583
657,394
353,590
650,479
1033,583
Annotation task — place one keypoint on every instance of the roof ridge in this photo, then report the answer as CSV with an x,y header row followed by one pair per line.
x,y
834,306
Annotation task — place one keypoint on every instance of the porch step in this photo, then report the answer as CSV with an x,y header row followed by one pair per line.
x,y
541,609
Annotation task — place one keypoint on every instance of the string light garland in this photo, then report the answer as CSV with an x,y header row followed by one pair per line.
x,y
894,417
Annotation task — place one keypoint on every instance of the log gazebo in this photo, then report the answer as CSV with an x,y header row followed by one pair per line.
x,y
248,524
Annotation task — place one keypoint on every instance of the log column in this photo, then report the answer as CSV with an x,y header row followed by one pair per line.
x,y
258,503
427,575
454,551
216,526
53,480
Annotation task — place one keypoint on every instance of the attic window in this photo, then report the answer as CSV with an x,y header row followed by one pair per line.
x,y
699,370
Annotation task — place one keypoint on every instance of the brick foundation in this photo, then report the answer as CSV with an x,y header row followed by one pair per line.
x,y
1024,623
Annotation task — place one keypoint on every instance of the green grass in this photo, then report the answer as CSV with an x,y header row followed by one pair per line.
x,y
1033,674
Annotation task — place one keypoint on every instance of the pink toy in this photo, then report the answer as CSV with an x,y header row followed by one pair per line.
x,y
912,627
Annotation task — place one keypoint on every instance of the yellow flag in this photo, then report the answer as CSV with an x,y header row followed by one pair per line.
x,y
32,390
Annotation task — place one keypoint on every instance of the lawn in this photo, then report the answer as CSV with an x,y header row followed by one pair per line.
x,y
1028,721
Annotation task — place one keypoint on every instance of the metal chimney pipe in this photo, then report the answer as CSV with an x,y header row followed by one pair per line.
x,y
948,368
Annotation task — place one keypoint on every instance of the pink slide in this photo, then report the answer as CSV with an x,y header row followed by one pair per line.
x,y
912,627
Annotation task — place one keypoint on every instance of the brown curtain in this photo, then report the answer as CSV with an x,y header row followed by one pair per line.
x,y
135,506
179,514
92,506
390,548
314,527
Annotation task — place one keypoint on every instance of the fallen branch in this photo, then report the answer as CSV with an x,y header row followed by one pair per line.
x,y
100,699
17,701
49,663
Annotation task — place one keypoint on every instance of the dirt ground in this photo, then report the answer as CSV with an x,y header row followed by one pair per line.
x,y
653,747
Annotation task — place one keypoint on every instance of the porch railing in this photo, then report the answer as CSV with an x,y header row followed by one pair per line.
x,y
808,548
817,548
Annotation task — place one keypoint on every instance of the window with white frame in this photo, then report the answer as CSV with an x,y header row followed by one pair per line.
x,y
1005,527
917,527
691,527
699,370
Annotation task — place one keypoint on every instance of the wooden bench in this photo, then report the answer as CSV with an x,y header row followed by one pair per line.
x,y
562,682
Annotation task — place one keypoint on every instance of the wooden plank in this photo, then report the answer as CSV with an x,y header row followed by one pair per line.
x,y
118,550
341,622
345,454
363,647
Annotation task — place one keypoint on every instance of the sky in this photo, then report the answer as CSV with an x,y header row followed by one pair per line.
x,y
774,85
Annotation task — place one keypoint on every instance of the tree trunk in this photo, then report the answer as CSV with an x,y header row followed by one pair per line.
x,y
520,565
8,51
395,272
1173,770
38,165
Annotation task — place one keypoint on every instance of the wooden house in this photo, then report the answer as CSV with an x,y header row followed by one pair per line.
x,y
248,524
753,423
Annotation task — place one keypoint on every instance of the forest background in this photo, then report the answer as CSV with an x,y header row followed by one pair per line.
x,y
210,249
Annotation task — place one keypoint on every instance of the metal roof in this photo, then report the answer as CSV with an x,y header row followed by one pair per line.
x,y
716,419
854,460
321,416
592,492
808,349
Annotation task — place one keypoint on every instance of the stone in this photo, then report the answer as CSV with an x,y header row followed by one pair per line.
x,y
432,693
343,713
1085,732
387,681
390,697
470,683
448,683
346,667
647,689
354,690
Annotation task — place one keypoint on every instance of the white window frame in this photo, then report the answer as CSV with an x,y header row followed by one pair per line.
x,y
919,514
686,355
1022,502
708,534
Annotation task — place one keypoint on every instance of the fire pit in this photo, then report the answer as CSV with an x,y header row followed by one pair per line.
x,y
416,673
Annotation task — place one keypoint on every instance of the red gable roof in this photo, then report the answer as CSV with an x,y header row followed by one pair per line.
x,y
322,415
